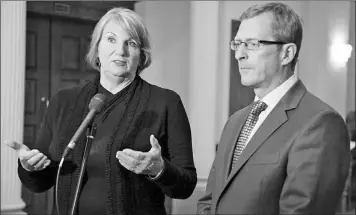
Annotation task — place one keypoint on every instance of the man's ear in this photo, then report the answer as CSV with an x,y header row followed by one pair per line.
x,y
288,53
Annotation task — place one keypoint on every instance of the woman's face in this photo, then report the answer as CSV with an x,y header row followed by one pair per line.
x,y
118,53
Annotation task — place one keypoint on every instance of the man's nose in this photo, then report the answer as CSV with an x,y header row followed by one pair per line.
x,y
241,52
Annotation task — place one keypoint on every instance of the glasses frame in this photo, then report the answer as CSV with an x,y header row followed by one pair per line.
x,y
265,42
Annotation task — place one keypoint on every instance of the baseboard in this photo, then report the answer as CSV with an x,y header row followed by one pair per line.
x,y
13,209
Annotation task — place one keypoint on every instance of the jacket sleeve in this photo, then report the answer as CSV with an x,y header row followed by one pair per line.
x,y
40,181
204,203
179,177
317,168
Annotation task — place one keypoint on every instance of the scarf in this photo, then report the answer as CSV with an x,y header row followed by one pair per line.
x,y
120,183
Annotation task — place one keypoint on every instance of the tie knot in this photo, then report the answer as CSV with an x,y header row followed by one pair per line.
x,y
258,107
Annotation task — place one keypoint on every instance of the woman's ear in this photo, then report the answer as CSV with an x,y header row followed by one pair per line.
x,y
288,53
97,62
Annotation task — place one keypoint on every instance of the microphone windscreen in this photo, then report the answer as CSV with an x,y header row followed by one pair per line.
x,y
98,102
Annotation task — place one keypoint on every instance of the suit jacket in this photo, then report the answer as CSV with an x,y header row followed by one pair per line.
x,y
296,163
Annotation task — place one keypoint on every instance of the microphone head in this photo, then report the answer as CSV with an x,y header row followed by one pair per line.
x,y
98,102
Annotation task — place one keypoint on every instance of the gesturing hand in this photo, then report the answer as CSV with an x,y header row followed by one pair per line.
x,y
150,163
31,160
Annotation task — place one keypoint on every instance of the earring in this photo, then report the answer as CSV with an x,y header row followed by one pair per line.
x,y
98,64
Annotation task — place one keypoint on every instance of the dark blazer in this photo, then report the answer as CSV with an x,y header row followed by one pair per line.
x,y
296,162
148,110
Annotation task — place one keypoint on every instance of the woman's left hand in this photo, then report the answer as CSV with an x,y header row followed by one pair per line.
x,y
150,163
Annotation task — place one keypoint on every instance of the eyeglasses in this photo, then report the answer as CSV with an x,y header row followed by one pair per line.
x,y
252,44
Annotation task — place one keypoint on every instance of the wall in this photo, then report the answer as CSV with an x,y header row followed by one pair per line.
x,y
351,63
168,25
326,22
185,46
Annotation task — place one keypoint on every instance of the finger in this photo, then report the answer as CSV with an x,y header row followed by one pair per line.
x,y
39,165
15,145
47,163
135,154
127,159
35,159
154,143
26,155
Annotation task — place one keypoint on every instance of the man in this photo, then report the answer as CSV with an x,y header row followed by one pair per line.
x,y
288,152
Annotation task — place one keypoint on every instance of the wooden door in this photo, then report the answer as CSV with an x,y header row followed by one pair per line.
x,y
55,53
240,96
69,44
36,95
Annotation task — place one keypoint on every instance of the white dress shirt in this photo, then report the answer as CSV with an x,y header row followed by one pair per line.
x,y
271,99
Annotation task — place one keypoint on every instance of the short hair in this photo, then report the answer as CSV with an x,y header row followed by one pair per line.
x,y
287,26
132,23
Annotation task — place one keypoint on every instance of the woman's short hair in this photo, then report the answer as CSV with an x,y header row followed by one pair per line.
x,y
287,26
133,25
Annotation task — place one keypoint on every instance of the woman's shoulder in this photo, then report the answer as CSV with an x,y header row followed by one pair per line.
x,y
163,94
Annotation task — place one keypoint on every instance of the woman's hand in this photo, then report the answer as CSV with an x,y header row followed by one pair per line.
x,y
31,160
150,163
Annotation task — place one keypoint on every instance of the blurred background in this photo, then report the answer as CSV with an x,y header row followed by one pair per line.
x,y
43,45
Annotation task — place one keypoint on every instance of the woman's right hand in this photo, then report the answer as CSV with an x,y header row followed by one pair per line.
x,y
31,160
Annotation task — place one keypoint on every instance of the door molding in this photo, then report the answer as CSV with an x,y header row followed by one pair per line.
x,y
84,10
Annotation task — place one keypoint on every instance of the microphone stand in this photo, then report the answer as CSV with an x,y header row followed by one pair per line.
x,y
91,131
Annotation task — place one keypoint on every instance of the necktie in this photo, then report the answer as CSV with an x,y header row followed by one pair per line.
x,y
257,108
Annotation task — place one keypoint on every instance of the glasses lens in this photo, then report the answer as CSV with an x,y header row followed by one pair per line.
x,y
235,45
252,44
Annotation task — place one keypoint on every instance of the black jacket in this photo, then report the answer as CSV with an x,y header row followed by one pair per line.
x,y
150,110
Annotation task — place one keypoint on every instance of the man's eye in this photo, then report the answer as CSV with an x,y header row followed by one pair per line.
x,y
253,44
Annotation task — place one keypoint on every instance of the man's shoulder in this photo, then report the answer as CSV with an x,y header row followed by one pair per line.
x,y
315,104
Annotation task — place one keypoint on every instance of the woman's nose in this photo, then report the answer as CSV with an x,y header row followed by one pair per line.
x,y
120,49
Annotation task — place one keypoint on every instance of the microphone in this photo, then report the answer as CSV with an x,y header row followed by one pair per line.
x,y
96,105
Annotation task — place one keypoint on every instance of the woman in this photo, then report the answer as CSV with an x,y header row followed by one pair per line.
x,y
142,149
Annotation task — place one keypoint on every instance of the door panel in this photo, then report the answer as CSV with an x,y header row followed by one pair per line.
x,y
36,88
70,43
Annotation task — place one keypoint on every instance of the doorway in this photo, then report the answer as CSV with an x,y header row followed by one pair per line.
x,y
55,59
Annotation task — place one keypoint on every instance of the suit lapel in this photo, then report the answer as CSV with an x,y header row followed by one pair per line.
x,y
230,149
275,119
230,139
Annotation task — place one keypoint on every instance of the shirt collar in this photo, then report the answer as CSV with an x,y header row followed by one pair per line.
x,y
273,97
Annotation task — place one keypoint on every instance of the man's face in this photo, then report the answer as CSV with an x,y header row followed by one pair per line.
x,y
259,68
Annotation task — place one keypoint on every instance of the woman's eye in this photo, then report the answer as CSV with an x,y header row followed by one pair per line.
x,y
111,39
132,44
